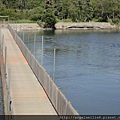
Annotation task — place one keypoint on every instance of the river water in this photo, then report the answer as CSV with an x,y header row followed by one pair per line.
x,y
87,66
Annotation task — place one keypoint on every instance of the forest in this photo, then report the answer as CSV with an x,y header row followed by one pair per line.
x,y
52,11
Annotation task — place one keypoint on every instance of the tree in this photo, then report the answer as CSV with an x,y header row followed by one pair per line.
x,y
49,19
75,10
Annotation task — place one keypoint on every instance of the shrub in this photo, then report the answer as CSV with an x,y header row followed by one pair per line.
x,y
49,19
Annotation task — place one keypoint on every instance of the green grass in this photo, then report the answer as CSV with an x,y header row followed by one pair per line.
x,y
23,21
64,20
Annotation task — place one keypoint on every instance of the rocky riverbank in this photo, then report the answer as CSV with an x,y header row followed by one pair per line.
x,y
26,26
85,25
66,25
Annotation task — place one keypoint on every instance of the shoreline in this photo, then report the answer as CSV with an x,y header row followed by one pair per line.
x,y
67,26
85,25
25,26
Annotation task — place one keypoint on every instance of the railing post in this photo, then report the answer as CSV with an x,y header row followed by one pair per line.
x,y
16,25
23,36
8,19
34,42
15,36
0,34
2,42
42,51
54,65
5,60
28,38
9,99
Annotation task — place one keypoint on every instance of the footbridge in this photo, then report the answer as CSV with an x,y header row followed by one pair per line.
x,y
27,88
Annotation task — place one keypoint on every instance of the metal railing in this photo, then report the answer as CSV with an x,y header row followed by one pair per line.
x,y
57,98
5,74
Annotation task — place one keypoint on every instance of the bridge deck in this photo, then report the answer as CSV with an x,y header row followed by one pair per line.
x,y
27,95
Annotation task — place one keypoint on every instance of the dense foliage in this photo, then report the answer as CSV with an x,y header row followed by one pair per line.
x,y
49,11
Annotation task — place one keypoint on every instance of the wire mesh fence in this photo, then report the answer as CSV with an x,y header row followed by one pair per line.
x,y
57,98
5,75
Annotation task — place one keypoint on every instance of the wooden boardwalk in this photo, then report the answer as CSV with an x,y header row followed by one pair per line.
x,y
27,95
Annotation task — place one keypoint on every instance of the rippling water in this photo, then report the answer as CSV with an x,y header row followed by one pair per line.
x,y
87,67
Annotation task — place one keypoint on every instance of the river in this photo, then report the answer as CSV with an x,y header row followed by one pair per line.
x,y
87,66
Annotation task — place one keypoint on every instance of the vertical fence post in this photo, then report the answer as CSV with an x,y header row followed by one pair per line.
x,y
23,36
28,38
16,25
0,37
8,19
5,60
0,34
54,65
42,51
15,36
2,42
34,42
9,99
